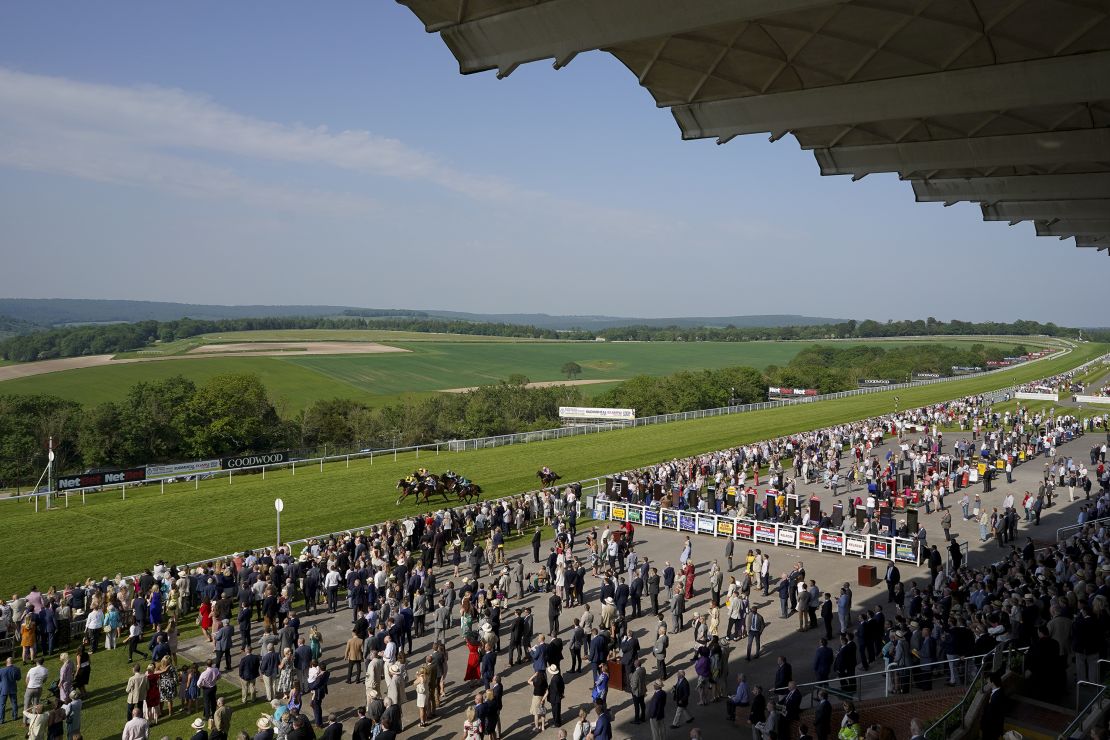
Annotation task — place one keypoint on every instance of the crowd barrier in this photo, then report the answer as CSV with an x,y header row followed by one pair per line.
x,y
846,544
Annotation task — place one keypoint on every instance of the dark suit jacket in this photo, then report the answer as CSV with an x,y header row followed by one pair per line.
x,y
994,716
822,719
657,706
793,705
783,674
599,649
489,664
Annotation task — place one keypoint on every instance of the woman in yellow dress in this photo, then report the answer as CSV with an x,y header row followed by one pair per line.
x,y
27,638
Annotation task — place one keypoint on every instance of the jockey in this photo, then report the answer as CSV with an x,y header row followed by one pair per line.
x,y
410,479
545,470
464,482
422,473
450,475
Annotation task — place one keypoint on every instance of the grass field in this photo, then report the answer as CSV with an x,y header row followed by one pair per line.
x,y
182,346
298,380
109,535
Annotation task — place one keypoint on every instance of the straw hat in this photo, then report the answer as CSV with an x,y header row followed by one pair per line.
x,y
395,668
608,599
198,724
553,669
264,722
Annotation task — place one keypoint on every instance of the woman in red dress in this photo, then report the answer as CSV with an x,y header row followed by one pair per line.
x,y
473,672
206,618
689,571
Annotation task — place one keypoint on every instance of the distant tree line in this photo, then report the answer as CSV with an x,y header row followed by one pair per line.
x,y
844,330
174,419
826,368
75,341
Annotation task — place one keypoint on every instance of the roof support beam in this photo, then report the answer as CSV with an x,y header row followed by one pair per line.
x,y
1079,78
1000,189
1039,210
558,29
1059,147
1074,227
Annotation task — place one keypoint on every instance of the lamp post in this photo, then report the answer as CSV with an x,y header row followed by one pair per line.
x,y
278,506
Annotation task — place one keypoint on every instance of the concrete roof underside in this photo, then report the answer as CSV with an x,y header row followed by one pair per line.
x,y
1005,103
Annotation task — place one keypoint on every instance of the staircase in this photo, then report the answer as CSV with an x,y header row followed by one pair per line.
x,y
896,711
1036,720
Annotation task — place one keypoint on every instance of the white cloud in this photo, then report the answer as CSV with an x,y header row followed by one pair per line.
x,y
168,139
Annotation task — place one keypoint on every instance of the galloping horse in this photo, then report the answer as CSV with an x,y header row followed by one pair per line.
x,y
418,484
547,476
469,491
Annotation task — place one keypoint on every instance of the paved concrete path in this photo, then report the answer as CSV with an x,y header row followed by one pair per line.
x,y
780,637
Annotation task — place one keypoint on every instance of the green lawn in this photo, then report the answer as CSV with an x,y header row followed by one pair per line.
x,y
295,381
182,346
109,535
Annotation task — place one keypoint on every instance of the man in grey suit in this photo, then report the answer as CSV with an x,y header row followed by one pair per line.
x,y
518,577
442,621
223,644
678,606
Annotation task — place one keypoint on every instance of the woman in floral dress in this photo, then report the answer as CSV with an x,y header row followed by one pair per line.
x,y
167,683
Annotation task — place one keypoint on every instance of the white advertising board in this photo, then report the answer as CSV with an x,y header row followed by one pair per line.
x,y
1030,396
584,412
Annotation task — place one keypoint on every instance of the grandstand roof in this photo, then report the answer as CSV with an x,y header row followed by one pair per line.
x,y
1000,102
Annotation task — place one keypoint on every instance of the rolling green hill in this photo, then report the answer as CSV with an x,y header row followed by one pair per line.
x,y
296,381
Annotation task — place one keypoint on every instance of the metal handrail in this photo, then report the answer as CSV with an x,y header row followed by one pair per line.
x,y
1064,533
887,675
1081,715
944,727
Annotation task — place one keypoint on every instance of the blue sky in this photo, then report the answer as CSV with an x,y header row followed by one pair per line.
x,y
276,152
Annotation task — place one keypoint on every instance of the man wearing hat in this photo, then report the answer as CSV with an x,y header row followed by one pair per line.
x,y
265,725
197,725
556,689
375,706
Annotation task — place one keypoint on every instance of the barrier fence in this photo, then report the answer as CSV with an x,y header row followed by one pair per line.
x,y
867,546
519,438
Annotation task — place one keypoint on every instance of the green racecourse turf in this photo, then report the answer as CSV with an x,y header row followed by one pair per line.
x,y
295,381
109,535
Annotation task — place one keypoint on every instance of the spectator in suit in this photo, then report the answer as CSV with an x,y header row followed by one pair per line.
x,y
994,714
784,674
822,716
657,712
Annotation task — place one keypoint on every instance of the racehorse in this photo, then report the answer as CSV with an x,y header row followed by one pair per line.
x,y
547,478
469,491
426,484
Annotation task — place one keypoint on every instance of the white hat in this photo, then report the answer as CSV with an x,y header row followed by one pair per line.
x,y
553,669
264,722
198,724
608,599
394,668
